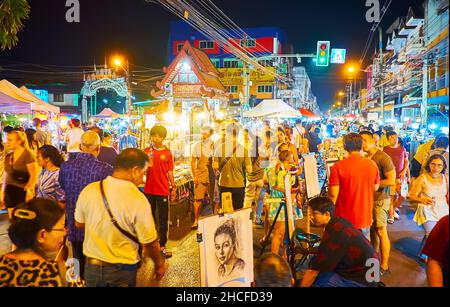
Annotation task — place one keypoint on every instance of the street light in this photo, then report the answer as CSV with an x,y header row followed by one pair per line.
x,y
341,94
118,62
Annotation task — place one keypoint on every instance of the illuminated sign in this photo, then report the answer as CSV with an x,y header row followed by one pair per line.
x,y
338,56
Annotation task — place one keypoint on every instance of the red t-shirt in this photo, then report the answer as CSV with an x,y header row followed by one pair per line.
x,y
398,156
437,245
158,173
356,177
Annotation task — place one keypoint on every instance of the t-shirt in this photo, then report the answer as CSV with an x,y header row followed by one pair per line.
x,y
437,245
398,156
344,250
232,175
158,172
108,155
132,212
204,152
356,177
385,165
74,139
20,165
257,172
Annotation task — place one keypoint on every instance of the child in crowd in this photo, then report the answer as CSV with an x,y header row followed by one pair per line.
x,y
160,183
277,176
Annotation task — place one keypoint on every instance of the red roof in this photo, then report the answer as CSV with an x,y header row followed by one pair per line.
x,y
200,64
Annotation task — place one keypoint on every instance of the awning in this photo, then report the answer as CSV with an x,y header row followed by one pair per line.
x,y
308,113
40,105
15,100
108,113
273,108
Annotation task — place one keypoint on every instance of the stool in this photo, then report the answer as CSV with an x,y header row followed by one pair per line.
x,y
305,244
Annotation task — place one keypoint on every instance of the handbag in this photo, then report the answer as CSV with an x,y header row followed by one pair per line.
x,y
114,221
18,176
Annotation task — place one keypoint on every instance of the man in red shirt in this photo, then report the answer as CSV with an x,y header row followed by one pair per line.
x,y
436,249
401,162
160,182
352,184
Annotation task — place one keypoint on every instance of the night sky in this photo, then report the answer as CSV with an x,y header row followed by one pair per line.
x,y
139,31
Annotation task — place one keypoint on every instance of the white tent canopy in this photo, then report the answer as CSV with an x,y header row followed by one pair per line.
x,y
273,108
41,105
15,100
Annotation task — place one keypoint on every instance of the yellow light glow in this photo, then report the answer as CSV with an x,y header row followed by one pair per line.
x,y
341,94
117,62
169,117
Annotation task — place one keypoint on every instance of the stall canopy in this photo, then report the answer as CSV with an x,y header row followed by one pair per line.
x,y
274,108
308,113
15,100
40,104
107,113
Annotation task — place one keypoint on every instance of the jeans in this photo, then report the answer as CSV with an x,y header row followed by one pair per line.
x,y
77,252
253,192
117,275
160,212
333,280
260,204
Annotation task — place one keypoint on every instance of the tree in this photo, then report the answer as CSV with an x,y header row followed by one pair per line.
x,y
13,13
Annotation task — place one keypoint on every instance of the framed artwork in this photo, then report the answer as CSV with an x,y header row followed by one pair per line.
x,y
226,250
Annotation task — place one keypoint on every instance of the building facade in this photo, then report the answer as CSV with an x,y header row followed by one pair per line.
x,y
262,42
412,75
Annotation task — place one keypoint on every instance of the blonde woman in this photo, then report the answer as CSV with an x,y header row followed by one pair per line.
x,y
21,171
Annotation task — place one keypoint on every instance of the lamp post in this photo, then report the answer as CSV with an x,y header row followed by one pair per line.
x,y
129,104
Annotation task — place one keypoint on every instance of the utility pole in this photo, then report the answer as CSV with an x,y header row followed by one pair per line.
x,y
381,75
424,106
129,104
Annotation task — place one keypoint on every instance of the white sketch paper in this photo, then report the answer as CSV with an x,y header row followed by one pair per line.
x,y
226,250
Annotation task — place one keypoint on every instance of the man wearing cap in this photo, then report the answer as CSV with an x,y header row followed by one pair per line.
x,y
204,175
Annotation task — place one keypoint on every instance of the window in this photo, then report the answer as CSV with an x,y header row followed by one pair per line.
x,y
231,63
265,88
232,89
216,62
206,45
266,63
179,47
250,43
58,97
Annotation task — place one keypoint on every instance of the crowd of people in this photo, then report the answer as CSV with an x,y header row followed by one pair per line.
x,y
113,207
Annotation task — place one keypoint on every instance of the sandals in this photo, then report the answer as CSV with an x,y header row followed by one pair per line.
x,y
391,220
166,253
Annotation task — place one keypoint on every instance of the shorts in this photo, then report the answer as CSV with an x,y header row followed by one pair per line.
x,y
14,196
381,212
200,190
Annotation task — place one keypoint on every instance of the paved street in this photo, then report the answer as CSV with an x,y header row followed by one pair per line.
x,y
183,268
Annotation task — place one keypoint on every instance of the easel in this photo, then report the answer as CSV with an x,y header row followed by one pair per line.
x,y
286,204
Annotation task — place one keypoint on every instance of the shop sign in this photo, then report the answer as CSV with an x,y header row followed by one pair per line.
x,y
233,76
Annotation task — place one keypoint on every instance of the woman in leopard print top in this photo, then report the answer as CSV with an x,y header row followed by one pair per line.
x,y
37,230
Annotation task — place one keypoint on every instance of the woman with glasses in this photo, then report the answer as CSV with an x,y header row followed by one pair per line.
x,y
430,191
37,230
50,159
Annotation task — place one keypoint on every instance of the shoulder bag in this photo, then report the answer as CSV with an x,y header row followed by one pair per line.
x,y
114,221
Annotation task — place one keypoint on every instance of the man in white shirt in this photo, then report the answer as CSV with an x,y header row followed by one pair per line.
x,y
73,138
112,257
